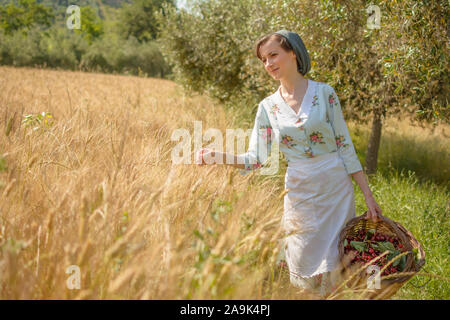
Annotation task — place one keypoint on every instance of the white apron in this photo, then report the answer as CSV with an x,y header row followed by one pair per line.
x,y
318,205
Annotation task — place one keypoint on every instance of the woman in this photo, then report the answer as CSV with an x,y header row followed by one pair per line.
x,y
321,160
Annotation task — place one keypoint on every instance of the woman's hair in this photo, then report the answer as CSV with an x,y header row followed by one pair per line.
x,y
279,38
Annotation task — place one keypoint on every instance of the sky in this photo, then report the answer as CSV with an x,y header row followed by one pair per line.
x,y
183,4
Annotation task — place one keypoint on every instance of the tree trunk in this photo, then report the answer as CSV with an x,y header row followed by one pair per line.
x,y
374,144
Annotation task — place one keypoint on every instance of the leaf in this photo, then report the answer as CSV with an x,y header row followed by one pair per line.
x,y
345,243
392,255
385,246
198,234
402,263
358,245
380,246
417,254
389,246
396,262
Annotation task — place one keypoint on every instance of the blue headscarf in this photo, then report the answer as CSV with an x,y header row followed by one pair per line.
x,y
304,63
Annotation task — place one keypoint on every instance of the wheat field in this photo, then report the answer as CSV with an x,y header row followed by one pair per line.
x,y
93,186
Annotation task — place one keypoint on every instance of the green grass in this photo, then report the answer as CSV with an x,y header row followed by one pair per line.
x,y
411,187
422,208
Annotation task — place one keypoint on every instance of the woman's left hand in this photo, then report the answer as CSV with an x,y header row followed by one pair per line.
x,y
373,207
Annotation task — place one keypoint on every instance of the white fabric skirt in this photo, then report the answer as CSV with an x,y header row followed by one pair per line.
x,y
319,203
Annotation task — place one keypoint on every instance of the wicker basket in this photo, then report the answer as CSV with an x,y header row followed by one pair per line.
x,y
388,227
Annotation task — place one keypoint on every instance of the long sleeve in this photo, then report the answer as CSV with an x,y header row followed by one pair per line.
x,y
260,143
342,136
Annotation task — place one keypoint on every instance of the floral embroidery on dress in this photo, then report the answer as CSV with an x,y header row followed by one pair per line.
x,y
309,152
267,134
274,110
288,141
298,122
340,141
254,166
315,101
257,165
316,137
331,100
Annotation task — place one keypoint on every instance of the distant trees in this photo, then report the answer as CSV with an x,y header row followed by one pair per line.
x,y
138,19
91,24
34,33
397,69
24,16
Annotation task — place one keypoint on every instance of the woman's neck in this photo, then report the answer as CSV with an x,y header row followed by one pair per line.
x,y
293,84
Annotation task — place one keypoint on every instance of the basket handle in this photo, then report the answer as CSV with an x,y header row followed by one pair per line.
x,y
382,218
386,220
379,217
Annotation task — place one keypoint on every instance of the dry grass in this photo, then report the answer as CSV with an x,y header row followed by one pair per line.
x,y
97,189
405,146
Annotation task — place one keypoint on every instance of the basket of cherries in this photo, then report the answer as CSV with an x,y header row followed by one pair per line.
x,y
382,244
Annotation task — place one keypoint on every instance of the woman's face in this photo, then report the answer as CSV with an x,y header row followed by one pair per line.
x,y
277,62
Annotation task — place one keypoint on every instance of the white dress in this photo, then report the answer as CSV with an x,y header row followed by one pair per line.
x,y
320,201
321,157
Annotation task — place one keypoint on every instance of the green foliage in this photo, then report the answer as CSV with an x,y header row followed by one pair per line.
x,y
373,70
91,24
13,246
220,207
383,246
358,245
204,244
417,61
64,48
211,50
38,121
128,56
3,165
55,48
97,46
24,16
137,19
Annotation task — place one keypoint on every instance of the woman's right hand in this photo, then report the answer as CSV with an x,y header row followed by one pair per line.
x,y
200,156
